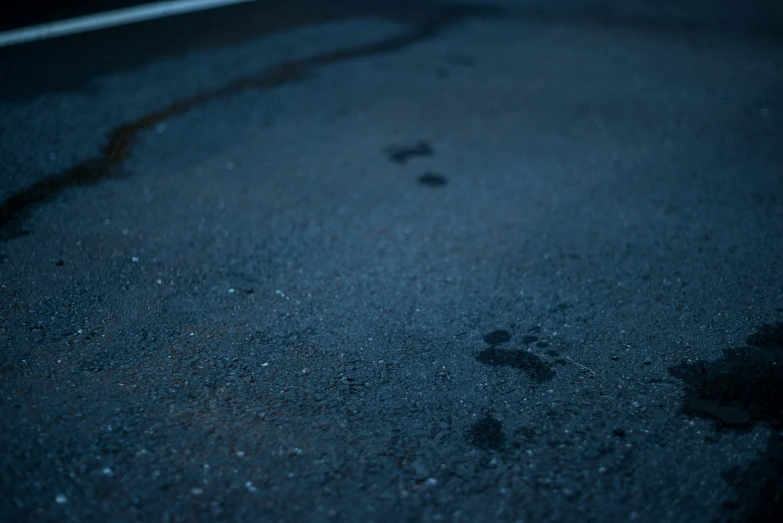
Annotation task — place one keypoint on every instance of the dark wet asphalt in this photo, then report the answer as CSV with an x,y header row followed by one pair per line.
x,y
384,261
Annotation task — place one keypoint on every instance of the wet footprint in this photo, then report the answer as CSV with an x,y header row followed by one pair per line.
x,y
401,153
497,337
531,364
537,369
432,180
487,433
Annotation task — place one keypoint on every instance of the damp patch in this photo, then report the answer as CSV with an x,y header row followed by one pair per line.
x,y
432,180
497,337
487,433
537,369
741,387
400,154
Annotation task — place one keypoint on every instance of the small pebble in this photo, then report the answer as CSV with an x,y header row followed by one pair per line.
x,y
60,499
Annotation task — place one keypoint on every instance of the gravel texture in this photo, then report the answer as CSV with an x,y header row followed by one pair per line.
x,y
387,261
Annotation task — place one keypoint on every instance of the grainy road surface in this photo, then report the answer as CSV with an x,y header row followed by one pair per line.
x,y
385,261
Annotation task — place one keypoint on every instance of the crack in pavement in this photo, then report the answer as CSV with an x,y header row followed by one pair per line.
x,y
15,209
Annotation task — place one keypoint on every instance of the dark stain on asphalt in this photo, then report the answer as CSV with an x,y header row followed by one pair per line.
x,y
487,433
432,180
527,339
402,153
768,336
759,486
537,369
497,337
741,388
109,162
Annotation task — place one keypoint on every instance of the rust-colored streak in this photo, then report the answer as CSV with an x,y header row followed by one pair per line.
x,y
108,164
117,150
15,208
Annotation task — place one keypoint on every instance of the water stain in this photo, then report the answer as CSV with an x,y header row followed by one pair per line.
x,y
497,337
109,162
537,369
432,180
768,336
741,388
759,486
487,433
402,153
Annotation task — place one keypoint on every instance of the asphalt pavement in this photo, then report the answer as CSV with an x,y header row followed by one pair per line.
x,y
390,261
